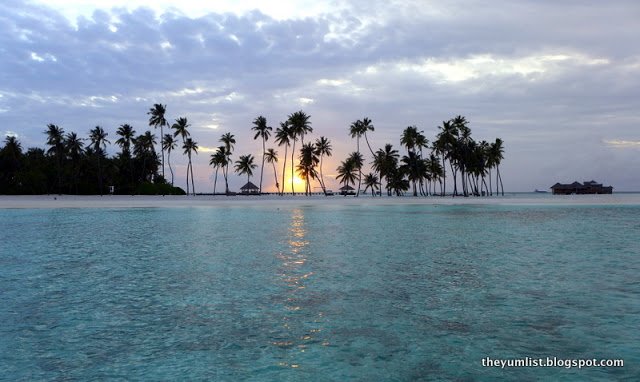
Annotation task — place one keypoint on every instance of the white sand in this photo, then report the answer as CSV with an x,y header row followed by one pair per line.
x,y
126,201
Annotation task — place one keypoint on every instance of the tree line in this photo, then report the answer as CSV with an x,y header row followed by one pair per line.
x,y
75,165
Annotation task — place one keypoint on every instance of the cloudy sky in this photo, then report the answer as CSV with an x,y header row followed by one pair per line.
x,y
559,82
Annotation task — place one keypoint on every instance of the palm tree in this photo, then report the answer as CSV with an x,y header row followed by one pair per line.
x,y
299,125
397,182
385,161
12,146
10,165
366,125
421,142
218,160
263,131
347,172
497,155
156,119
461,149
358,162
98,138
180,127
307,165
323,147
55,139
410,138
436,171
272,157
356,131
74,147
283,137
412,167
144,150
245,165
126,134
443,145
168,144
190,147
229,140
371,181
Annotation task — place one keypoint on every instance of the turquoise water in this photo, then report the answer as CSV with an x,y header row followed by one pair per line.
x,y
318,293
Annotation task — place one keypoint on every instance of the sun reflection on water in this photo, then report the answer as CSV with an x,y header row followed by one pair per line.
x,y
300,324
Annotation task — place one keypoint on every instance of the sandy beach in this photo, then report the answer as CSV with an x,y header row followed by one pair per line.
x,y
138,201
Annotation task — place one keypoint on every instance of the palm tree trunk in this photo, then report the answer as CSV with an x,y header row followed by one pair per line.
x,y
455,180
226,183
189,164
275,175
170,169
444,177
293,151
284,168
485,186
215,180
500,177
226,179
193,186
490,185
465,186
162,149
59,171
324,190
99,174
262,168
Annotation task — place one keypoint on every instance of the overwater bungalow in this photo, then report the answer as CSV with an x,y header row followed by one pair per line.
x,y
249,189
577,188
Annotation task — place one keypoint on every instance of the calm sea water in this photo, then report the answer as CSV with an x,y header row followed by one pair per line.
x,y
318,293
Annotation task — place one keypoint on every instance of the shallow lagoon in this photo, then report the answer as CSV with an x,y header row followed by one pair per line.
x,y
329,292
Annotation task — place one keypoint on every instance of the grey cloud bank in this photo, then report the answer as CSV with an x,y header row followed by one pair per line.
x,y
557,82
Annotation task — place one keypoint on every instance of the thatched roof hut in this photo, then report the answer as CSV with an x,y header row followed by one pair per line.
x,y
347,190
250,188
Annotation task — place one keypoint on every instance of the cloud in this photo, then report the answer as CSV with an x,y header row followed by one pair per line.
x,y
546,77
205,149
619,143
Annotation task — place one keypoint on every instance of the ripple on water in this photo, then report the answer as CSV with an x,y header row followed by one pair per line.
x,y
406,292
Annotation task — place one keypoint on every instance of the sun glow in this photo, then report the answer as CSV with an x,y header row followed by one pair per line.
x,y
298,183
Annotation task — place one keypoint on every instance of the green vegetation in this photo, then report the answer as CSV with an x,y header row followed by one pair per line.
x,y
75,165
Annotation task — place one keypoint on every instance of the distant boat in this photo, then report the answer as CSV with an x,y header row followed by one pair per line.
x,y
540,191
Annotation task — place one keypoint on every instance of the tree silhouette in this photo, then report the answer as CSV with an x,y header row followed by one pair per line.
x,y
263,131
157,118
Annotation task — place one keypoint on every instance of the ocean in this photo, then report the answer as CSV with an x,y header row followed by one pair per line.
x,y
319,292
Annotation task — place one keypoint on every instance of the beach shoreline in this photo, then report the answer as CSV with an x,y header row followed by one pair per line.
x,y
174,201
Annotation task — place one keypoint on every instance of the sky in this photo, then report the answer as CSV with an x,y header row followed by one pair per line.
x,y
558,82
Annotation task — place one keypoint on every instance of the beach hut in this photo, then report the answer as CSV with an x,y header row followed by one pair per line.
x,y
347,190
250,189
